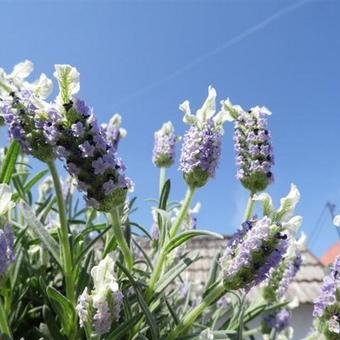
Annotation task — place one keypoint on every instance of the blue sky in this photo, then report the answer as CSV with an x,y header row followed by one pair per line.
x,y
143,58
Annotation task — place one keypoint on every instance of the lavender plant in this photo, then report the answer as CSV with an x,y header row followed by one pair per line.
x,y
85,269
327,305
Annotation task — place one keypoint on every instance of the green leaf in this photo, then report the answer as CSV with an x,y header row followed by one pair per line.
x,y
41,232
148,315
84,277
187,235
28,186
169,276
213,271
90,245
134,224
124,328
51,323
63,307
8,165
163,201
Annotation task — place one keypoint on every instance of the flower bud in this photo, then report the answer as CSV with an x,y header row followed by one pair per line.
x,y
164,147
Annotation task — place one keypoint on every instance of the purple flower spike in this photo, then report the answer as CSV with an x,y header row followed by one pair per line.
x,y
327,305
254,250
252,143
201,147
164,147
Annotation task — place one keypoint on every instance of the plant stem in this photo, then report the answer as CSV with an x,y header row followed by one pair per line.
x,y
4,327
117,229
156,273
174,229
64,240
250,208
185,206
215,294
162,179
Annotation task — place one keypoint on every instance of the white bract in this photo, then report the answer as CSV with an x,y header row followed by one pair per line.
x,y
336,221
206,112
289,203
69,82
6,202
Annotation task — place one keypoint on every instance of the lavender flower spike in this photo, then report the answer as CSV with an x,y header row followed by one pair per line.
x,y
23,109
281,277
201,147
101,308
254,250
253,147
164,147
90,156
327,305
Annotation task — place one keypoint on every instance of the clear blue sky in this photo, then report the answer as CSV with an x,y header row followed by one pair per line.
x,y
143,58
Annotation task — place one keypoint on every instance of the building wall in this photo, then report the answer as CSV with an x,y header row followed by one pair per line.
x,y
302,321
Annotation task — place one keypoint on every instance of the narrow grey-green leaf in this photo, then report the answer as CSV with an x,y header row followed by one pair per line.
x,y
187,235
8,165
41,231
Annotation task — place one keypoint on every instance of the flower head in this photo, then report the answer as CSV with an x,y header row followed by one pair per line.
x,y
254,250
164,147
24,110
278,320
253,147
101,307
201,147
327,305
90,155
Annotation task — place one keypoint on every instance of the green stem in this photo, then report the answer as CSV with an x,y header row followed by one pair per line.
x,y
64,240
117,229
156,273
215,294
161,259
162,179
250,208
185,206
3,321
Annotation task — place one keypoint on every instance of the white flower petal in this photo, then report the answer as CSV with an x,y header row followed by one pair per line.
x,y
22,70
69,81
232,110
268,206
42,87
289,203
208,109
336,220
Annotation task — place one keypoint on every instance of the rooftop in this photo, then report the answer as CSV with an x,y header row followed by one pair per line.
x,y
331,254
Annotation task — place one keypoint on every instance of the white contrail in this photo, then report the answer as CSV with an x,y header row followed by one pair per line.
x,y
216,50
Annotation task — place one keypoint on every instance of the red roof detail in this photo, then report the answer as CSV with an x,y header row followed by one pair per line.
x,y
331,254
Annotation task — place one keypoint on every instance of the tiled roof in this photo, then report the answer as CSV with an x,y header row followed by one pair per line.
x,y
331,254
306,286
